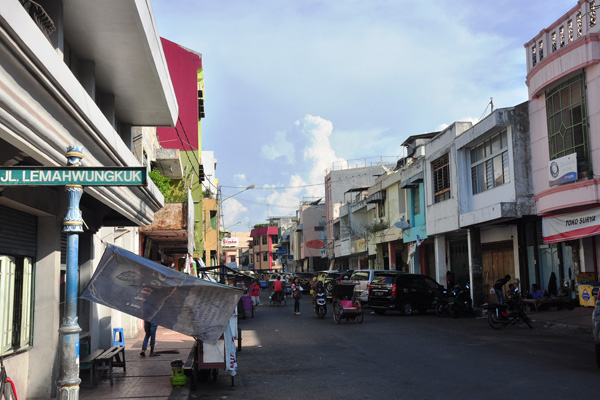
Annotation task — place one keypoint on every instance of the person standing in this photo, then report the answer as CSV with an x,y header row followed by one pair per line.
x,y
277,290
150,330
296,294
255,294
499,290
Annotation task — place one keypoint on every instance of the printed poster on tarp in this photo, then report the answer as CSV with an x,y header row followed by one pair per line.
x,y
150,291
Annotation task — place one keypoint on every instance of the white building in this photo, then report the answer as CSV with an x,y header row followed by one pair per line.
x,y
84,75
478,191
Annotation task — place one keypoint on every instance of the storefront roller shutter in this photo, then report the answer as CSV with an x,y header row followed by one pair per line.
x,y
18,232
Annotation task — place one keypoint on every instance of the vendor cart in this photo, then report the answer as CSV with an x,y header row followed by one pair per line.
x,y
210,358
345,305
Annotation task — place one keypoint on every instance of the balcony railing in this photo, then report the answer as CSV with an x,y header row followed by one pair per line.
x,y
575,24
40,16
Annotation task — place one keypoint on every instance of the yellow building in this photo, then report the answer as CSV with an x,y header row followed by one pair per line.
x,y
210,232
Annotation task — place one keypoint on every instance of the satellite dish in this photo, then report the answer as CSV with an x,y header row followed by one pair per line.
x,y
402,225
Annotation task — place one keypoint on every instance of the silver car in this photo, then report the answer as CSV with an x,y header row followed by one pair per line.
x,y
596,329
362,278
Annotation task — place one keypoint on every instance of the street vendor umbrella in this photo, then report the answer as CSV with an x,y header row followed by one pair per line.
x,y
150,291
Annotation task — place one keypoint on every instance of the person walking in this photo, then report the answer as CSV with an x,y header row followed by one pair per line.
x,y
150,329
277,290
255,294
296,294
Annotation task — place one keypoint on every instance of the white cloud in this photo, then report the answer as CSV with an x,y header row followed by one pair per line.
x,y
232,211
280,147
239,177
318,153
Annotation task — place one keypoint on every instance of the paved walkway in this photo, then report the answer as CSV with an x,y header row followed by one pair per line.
x,y
146,377
150,377
578,318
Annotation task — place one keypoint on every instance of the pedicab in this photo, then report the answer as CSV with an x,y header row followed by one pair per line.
x,y
345,304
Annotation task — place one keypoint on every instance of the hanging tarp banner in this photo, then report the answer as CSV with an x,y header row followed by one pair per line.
x,y
569,226
150,291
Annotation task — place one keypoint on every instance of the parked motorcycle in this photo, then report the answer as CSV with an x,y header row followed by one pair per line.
x,y
460,302
457,302
500,315
320,304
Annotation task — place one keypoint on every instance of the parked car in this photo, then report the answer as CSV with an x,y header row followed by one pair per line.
x,y
394,290
596,329
362,278
326,276
305,280
331,277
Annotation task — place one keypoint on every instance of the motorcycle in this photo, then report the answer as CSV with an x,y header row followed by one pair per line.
x,y
460,302
321,304
511,313
455,302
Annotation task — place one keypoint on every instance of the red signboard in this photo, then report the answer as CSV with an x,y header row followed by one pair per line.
x,y
314,244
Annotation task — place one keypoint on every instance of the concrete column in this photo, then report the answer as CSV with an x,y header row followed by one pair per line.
x,y
475,266
439,244
392,255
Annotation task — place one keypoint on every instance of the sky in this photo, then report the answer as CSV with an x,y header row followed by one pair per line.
x,y
296,87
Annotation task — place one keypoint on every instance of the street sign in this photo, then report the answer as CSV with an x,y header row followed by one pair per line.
x,y
281,252
62,176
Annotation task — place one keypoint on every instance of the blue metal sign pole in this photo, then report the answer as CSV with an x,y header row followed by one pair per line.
x,y
68,372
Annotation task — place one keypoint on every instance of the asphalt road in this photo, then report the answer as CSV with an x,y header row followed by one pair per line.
x,y
395,357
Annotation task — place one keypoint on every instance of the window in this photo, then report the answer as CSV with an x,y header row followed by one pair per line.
x,y
320,228
258,258
16,278
213,219
489,163
232,259
441,178
416,198
265,256
567,122
274,239
264,240
256,241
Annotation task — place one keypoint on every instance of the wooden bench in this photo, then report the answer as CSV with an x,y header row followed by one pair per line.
x,y
88,363
191,366
546,302
113,357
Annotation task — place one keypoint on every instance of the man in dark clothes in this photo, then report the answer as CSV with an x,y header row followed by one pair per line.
x,y
498,290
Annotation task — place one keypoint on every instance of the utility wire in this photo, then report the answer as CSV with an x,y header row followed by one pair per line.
x,y
274,187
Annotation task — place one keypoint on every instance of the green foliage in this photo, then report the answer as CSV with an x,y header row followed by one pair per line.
x,y
263,225
378,226
173,190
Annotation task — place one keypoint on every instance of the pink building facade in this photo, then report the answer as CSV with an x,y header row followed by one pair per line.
x,y
263,239
563,79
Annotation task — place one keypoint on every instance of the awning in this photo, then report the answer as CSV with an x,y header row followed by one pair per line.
x,y
573,225
150,291
412,181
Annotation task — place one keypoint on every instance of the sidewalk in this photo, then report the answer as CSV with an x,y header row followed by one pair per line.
x,y
578,318
146,377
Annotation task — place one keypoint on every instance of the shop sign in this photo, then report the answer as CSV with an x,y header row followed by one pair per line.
x,y
230,242
563,170
83,176
569,226
314,244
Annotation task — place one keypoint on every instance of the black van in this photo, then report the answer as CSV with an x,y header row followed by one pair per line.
x,y
395,290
